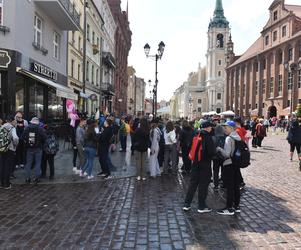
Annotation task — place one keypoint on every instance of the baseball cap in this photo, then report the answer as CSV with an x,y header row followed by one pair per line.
x,y
206,124
229,124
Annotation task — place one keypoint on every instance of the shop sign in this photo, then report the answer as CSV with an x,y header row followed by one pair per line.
x,y
44,71
5,59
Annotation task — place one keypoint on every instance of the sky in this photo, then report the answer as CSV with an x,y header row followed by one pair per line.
x,y
182,25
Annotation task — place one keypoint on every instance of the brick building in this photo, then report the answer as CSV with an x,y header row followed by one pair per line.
x,y
266,79
123,36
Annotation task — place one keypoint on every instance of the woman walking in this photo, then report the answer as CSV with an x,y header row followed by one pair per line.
x,y
294,139
141,138
155,138
170,150
260,133
90,145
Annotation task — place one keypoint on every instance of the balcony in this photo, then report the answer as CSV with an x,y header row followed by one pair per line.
x,y
108,59
62,12
108,89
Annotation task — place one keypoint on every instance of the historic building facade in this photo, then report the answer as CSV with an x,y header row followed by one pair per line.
x,y
266,79
123,36
33,57
218,35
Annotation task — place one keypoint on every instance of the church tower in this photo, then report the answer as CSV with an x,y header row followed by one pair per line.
x,y
218,37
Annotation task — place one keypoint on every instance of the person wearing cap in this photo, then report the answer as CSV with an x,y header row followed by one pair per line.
x,y
8,157
201,168
231,172
34,138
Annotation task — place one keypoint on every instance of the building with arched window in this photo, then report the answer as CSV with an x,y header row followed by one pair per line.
x,y
266,79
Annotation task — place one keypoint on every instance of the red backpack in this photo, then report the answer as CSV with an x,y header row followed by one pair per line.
x,y
196,149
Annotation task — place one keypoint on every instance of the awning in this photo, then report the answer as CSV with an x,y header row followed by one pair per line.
x,y
61,91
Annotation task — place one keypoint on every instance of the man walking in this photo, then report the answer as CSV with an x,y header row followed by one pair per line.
x,y
9,143
201,154
79,138
34,137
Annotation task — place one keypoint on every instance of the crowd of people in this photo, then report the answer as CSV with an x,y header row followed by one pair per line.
x,y
207,148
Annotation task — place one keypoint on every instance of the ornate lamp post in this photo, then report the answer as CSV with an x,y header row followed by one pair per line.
x,y
157,56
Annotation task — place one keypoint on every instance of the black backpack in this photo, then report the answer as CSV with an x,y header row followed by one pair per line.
x,y
241,156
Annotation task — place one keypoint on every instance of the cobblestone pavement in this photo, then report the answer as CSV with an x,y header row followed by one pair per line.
x,y
124,214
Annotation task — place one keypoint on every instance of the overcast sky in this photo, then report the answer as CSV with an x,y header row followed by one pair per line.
x,y
183,26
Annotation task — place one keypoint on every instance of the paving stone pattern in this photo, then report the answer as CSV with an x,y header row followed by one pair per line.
x,y
125,214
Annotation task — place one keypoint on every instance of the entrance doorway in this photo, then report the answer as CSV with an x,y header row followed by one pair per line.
x,y
272,112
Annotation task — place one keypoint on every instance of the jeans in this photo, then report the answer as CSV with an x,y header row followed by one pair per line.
x,y
104,161
75,151
217,164
7,162
50,159
90,155
170,154
232,180
123,139
140,163
200,178
33,155
20,155
81,156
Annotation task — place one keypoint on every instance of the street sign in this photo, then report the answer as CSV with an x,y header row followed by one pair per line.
x,y
5,59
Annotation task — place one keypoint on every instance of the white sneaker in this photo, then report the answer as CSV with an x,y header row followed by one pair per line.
x,y
77,171
90,177
74,170
138,178
144,179
81,173
17,166
85,174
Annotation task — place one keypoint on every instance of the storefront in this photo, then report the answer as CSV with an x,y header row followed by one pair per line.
x,y
34,89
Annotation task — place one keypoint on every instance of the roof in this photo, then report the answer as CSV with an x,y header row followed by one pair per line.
x,y
257,47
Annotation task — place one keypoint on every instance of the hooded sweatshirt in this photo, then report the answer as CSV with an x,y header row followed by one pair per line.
x,y
229,147
13,135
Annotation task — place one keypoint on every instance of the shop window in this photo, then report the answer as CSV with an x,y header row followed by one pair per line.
x,y
36,100
38,31
1,12
56,45
55,107
284,31
275,35
267,40
19,94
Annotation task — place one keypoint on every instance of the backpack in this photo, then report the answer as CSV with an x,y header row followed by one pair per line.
x,y
32,138
195,153
241,156
51,145
5,139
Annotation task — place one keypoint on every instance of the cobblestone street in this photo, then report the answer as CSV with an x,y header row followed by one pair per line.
x,y
124,214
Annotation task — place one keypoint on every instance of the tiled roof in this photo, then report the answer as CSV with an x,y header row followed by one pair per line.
x,y
294,8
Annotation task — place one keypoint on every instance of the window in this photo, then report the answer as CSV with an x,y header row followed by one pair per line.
x,y
200,110
219,96
72,68
38,25
219,62
199,101
290,54
299,101
219,73
299,79
280,57
263,86
1,12
96,81
256,88
288,103
263,105
275,15
290,81
272,85
78,72
275,34
264,64
280,84
256,105
93,37
218,110
92,74
56,45
284,31
243,90
256,66
79,43
300,50
267,40
97,42
88,32
87,71
72,37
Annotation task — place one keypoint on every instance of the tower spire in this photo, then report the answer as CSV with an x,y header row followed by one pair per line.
x,y
219,20
219,10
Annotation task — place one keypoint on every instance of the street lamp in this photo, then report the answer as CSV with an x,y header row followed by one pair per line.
x,y
157,56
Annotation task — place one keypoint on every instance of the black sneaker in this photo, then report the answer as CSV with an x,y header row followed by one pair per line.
x,y
204,210
237,209
226,211
108,176
186,208
28,180
36,181
101,174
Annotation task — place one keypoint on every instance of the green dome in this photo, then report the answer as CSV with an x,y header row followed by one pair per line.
x,y
219,20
